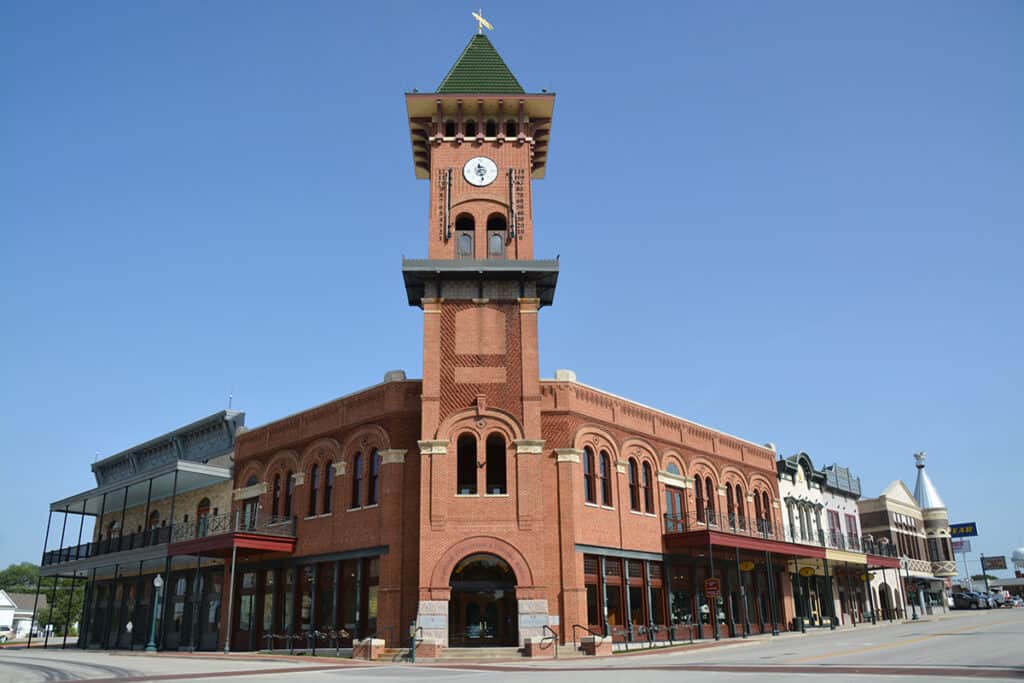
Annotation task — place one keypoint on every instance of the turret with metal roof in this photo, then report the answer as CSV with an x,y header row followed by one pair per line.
x,y
924,490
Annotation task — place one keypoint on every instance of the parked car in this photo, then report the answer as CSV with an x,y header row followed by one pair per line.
x,y
5,634
969,600
990,600
1016,601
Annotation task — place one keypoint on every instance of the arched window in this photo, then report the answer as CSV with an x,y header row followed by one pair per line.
x,y
606,479
470,126
328,503
589,489
757,506
741,507
673,469
698,490
496,472
357,480
314,488
511,128
449,128
730,505
766,510
497,231
289,489
466,465
202,517
276,504
465,226
491,128
709,493
373,490
648,489
250,506
634,485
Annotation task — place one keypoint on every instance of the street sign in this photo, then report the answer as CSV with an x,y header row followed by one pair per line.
x,y
712,588
993,562
963,529
961,545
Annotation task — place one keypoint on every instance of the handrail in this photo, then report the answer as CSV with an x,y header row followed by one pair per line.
x,y
591,632
553,636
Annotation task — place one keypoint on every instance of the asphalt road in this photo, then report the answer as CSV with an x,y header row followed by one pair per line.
x,y
959,646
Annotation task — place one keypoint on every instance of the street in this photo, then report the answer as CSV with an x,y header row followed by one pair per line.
x,y
960,645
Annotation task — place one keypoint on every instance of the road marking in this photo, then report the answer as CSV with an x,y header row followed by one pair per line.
x,y
884,646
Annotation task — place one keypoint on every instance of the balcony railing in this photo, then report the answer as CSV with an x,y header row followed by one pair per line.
x,y
237,521
762,528
731,524
105,546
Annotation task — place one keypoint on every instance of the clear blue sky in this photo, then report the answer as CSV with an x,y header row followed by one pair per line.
x,y
797,222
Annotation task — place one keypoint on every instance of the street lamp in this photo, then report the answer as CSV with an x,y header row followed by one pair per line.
x,y
158,583
907,588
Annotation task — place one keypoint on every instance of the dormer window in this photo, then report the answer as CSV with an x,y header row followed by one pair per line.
x,y
497,231
464,235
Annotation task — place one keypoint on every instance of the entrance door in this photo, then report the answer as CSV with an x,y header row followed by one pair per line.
x,y
482,611
674,521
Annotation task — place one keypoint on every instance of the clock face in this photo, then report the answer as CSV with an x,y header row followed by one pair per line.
x,y
480,171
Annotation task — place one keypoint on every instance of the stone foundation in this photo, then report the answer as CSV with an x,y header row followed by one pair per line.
x,y
432,617
533,617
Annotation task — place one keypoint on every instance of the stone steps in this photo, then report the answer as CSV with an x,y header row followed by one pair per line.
x,y
454,654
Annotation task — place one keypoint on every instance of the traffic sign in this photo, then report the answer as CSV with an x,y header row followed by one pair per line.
x,y
712,588
963,530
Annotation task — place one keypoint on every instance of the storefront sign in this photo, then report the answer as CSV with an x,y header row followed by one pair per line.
x,y
712,588
961,546
867,577
746,566
993,562
806,571
963,529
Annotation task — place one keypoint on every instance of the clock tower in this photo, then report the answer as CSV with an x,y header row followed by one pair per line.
x,y
480,140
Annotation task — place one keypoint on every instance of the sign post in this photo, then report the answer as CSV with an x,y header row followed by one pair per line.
x,y
964,530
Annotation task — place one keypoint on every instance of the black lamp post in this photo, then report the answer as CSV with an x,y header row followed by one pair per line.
x,y
907,589
158,583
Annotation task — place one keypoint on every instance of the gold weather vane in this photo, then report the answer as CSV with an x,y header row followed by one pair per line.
x,y
481,23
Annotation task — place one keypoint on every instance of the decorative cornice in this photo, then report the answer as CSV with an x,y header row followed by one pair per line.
x,y
568,454
529,446
439,447
392,456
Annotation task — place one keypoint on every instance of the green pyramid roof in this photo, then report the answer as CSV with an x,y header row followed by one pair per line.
x,y
480,69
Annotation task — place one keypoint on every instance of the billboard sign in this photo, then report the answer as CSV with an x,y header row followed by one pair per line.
x,y
961,545
963,529
993,562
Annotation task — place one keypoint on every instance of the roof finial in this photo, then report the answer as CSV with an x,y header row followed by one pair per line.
x,y
919,458
481,23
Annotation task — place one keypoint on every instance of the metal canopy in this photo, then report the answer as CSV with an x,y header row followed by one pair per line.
x,y
191,476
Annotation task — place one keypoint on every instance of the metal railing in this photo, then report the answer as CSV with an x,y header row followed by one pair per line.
x,y
762,528
105,546
232,522
731,524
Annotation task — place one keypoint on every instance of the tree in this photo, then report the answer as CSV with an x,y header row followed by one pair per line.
x,y
19,578
58,615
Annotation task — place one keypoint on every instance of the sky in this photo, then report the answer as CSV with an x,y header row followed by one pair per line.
x,y
796,222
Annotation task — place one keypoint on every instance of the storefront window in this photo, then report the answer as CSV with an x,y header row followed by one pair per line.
x,y
636,604
325,595
286,599
592,605
268,601
657,606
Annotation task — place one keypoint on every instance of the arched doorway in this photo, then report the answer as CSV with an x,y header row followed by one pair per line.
x,y
482,610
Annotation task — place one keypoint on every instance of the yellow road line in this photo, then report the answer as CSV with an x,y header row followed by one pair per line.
x,y
884,646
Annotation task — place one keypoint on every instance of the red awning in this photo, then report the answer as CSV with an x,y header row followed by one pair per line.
x,y
221,545
705,537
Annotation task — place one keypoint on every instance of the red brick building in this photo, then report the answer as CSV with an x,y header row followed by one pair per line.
x,y
483,503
